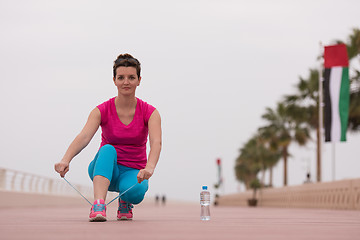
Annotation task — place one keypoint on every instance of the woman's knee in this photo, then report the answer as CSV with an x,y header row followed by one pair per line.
x,y
104,163
106,155
91,169
108,148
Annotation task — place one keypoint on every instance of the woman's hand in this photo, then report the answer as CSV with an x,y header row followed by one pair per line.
x,y
144,174
62,168
155,147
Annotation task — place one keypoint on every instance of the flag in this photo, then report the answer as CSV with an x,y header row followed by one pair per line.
x,y
337,92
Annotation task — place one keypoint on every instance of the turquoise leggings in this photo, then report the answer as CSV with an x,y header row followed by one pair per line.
x,y
121,178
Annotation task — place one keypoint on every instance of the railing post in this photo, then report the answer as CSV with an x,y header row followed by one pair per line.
x,y
13,181
31,183
50,186
352,195
43,189
22,182
37,185
2,179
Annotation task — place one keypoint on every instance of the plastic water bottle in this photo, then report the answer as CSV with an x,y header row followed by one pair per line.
x,y
205,204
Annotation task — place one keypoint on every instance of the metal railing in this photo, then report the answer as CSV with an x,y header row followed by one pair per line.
x,y
12,180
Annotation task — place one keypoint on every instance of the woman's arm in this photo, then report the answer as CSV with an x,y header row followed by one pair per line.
x,y
80,142
154,125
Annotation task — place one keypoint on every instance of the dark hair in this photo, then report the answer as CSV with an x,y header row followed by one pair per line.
x,y
126,60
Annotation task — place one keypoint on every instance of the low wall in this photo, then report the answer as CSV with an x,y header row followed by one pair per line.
x,y
21,189
17,181
26,199
344,194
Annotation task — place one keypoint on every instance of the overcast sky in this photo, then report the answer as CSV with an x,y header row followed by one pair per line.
x,y
209,67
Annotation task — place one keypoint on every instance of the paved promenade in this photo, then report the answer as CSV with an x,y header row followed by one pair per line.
x,y
179,221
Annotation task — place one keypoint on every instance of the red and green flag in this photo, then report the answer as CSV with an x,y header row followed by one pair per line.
x,y
336,92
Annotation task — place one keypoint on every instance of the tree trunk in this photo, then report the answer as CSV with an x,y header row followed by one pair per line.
x,y
262,177
318,155
247,184
271,177
285,165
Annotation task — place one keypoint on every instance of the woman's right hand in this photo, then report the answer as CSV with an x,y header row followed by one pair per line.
x,y
62,168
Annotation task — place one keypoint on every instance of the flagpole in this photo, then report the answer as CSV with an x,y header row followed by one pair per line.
x,y
336,64
320,115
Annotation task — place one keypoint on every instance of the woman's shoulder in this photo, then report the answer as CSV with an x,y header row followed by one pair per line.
x,y
106,104
105,110
146,109
143,104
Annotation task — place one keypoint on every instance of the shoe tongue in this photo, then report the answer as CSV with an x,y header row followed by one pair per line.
x,y
99,201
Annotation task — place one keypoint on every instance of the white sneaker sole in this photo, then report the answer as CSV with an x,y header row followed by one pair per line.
x,y
98,218
124,218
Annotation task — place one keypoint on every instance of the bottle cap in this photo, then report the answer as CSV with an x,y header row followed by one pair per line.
x,y
204,187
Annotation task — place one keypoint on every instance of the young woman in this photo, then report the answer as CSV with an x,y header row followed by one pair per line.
x,y
121,162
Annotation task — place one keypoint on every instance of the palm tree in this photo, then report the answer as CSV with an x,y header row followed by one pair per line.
x,y
353,48
292,120
353,45
244,171
354,111
254,157
307,98
285,125
247,165
268,139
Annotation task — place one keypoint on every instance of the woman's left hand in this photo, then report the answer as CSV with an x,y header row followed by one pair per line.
x,y
144,174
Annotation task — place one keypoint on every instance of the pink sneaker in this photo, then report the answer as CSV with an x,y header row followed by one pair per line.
x,y
98,211
124,211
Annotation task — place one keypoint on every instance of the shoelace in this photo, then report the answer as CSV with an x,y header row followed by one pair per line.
x,y
125,207
99,207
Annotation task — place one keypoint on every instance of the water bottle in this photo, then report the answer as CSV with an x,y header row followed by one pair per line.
x,y
205,204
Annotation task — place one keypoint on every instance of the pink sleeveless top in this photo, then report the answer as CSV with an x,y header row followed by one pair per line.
x,y
128,140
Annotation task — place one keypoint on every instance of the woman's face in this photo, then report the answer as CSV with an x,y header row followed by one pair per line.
x,y
126,80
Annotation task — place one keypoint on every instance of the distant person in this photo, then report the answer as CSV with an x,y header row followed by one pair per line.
x,y
308,178
163,200
157,198
121,162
